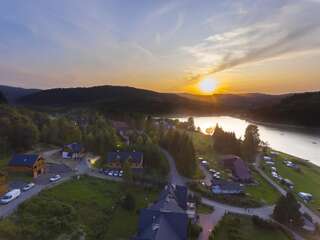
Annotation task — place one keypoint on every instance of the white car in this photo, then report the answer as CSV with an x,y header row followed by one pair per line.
x,y
28,186
115,173
55,178
9,196
110,173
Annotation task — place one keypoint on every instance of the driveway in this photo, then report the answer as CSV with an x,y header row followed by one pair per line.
x,y
174,176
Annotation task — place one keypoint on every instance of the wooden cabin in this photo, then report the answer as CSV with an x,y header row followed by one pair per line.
x,y
116,160
27,163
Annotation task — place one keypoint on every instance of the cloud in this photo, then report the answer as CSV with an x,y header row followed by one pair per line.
x,y
293,28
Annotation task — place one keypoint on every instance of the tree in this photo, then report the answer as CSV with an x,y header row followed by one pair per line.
x,y
2,98
128,176
129,202
287,211
226,142
251,142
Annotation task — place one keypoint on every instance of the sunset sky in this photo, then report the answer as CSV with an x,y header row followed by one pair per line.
x,y
270,46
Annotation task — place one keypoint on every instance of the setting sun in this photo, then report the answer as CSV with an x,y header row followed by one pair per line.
x,y
207,85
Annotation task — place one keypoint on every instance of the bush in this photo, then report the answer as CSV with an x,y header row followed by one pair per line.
x,y
259,222
129,202
194,230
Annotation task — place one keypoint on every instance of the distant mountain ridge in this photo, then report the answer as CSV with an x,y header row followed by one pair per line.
x,y
242,101
12,94
298,108
116,98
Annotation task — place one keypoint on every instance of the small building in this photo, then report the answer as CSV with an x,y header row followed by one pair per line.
x,y
165,219
118,158
72,150
226,187
28,163
238,167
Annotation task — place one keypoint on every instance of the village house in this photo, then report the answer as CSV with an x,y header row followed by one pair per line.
x,y
27,163
73,150
167,218
226,187
122,129
116,160
238,167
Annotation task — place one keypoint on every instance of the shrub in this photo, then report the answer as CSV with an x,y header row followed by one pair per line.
x,y
194,230
129,202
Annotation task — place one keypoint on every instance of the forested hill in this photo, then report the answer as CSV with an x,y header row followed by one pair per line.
x,y
14,93
300,109
115,98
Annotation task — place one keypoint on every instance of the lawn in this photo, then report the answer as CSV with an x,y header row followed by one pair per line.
x,y
204,209
89,206
305,180
242,227
262,192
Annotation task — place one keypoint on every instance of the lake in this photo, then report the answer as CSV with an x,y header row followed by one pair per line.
x,y
297,141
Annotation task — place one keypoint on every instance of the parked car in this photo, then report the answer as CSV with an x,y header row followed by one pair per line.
x,y
55,178
9,196
106,171
212,170
28,186
307,197
110,173
116,173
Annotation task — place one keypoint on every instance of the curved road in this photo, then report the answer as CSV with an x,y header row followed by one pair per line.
x,y
209,221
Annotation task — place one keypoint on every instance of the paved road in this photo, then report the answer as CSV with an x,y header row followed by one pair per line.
x,y
209,221
6,210
174,176
303,208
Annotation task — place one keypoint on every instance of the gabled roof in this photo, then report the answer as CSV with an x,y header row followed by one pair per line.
x,y
155,225
74,147
123,156
165,219
227,185
179,193
238,167
25,160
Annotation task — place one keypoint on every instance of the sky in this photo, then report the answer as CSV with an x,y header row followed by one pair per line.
x,y
269,46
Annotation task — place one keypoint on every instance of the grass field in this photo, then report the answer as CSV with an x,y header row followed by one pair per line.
x,y
242,227
263,192
90,206
305,180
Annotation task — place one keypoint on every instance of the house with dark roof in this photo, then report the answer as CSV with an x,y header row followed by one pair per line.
x,y
72,150
28,163
122,129
167,218
118,158
226,187
238,167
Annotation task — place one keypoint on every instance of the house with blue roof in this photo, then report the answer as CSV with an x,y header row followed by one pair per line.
x,y
28,163
72,150
116,159
167,218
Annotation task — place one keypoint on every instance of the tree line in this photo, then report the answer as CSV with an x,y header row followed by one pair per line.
x,y
227,142
180,145
21,129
